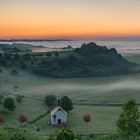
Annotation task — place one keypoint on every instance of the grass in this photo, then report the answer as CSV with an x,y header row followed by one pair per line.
x,y
83,91
103,119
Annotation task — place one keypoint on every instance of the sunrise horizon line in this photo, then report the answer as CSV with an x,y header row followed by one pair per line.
x,y
131,38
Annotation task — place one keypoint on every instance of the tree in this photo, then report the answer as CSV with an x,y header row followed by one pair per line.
x,y
129,120
66,103
49,54
50,100
26,57
22,118
9,103
1,98
56,54
1,71
1,55
14,72
87,119
66,134
16,57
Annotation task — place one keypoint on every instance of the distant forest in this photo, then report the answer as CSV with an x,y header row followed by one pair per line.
x,y
90,60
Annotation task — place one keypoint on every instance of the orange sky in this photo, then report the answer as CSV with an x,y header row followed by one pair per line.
x,y
69,18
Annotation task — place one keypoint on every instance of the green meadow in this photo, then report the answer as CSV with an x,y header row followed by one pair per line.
x,y
85,92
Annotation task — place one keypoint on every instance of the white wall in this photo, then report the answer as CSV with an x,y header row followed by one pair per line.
x,y
59,115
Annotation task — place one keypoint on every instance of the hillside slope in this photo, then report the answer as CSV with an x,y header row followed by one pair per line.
x,y
90,60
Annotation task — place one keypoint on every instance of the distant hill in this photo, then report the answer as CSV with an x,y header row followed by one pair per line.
x,y
31,40
91,60
18,47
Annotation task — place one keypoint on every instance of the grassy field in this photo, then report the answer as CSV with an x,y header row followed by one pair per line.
x,y
83,91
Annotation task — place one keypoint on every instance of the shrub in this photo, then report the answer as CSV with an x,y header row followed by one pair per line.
x,y
9,103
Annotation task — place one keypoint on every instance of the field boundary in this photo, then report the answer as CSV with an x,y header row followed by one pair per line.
x,y
103,104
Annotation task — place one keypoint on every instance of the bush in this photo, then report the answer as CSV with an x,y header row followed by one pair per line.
x,y
50,100
9,103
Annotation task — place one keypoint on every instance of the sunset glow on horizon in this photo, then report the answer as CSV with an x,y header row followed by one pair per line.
x,y
69,18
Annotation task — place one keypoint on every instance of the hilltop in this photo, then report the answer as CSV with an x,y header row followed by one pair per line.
x,y
91,60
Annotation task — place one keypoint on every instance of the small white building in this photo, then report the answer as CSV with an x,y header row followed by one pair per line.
x,y
58,116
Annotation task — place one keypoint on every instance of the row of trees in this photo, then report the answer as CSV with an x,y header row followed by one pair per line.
x,y
65,102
